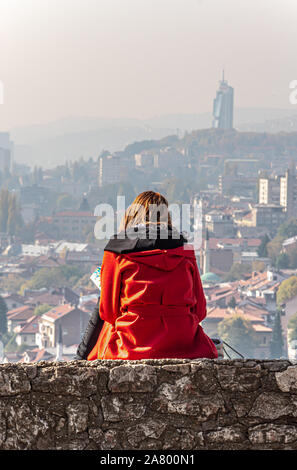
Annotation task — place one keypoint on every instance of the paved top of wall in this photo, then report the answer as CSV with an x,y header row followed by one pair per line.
x,y
149,404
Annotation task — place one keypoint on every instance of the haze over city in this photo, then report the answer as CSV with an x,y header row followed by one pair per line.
x,y
140,58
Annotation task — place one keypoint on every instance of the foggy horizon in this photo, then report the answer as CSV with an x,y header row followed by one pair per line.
x,y
140,59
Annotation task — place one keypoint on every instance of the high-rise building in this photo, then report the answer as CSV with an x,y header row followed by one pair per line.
x,y
269,190
288,192
6,151
110,169
223,106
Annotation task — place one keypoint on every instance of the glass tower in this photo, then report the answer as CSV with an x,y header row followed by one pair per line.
x,y
223,106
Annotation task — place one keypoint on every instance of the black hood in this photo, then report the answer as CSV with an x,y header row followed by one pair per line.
x,y
145,238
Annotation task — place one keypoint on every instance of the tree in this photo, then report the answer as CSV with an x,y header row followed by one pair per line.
x,y
258,266
239,333
292,327
232,303
14,219
282,261
288,229
287,290
262,249
237,271
4,204
3,317
274,248
41,309
10,214
11,283
277,341
54,277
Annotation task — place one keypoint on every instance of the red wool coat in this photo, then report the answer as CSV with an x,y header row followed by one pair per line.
x,y
152,303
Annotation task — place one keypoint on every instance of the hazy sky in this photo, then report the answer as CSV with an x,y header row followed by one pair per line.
x,y
140,58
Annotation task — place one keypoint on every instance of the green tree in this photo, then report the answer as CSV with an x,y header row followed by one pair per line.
x,y
288,229
3,317
258,266
262,249
287,290
232,303
239,333
292,327
282,261
237,271
54,277
293,258
14,219
41,309
11,283
11,344
4,205
10,214
277,341
274,248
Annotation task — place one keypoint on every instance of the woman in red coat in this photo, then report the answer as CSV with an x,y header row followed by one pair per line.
x,y
152,300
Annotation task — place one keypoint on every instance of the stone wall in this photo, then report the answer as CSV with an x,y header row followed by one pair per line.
x,y
152,404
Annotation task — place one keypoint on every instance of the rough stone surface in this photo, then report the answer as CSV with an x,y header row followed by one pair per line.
x,y
151,404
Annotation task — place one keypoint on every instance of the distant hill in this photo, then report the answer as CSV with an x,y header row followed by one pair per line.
x,y
230,143
285,124
70,138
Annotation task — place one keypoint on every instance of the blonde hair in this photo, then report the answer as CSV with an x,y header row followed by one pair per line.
x,y
148,207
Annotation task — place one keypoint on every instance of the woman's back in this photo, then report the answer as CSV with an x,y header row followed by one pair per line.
x,y
154,308
152,301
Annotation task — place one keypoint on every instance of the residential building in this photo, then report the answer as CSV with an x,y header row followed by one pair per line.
x,y
73,225
146,159
110,170
269,190
219,224
18,317
73,321
262,332
288,192
13,300
237,185
270,216
290,245
26,334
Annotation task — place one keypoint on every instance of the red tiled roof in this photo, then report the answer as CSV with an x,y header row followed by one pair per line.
x,y
13,296
59,312
31,327
255,310
37,355
20,312
46,298
222,313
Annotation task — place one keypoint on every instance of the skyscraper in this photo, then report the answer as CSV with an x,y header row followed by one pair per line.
x,y
288,192
223,106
